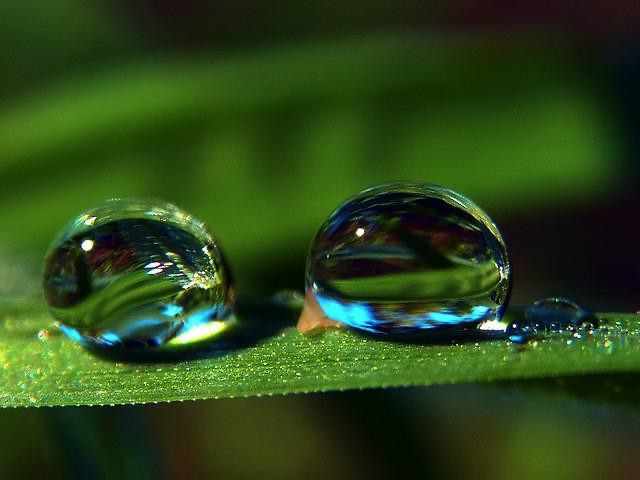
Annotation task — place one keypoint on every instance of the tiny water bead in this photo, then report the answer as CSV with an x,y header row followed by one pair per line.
x,y
138,273
552,315
407,258
555,312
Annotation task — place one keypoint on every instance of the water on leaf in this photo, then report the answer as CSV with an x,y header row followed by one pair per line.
x,y
407,258
551,316
137,273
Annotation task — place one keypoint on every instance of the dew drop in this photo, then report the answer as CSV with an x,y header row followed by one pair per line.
x,y
557,312
43,335
552,315
407,258
138,273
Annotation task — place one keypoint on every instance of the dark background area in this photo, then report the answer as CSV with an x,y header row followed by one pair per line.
x,y
259,119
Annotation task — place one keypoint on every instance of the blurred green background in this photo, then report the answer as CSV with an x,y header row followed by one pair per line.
x,y
260,119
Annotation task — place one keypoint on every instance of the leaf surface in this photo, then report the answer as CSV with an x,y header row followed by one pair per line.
x,y
41,367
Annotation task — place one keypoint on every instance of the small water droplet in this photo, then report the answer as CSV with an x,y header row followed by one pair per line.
x,y
559,311
552,315
405,258
138,273
519,332
43,335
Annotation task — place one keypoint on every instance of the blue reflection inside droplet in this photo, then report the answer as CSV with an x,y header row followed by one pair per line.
x,y
363,316
73,334
477,313
357,315
204,316
147,329
172,310
110,338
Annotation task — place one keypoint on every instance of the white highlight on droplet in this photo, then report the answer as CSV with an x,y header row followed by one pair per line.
x,y
86,245
493,325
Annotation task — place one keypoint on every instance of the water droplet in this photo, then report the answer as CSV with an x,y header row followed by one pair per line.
x,y
138,273
557,311
552,315
43,335
405,258
520,333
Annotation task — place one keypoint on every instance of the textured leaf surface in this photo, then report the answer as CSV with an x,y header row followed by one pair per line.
x,y
39,366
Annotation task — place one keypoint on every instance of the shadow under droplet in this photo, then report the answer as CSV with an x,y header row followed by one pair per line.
x,y
442,336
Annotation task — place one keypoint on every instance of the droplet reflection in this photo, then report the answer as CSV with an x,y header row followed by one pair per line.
x,y
138,273
405,258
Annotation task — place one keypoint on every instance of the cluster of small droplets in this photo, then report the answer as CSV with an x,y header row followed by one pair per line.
x,y
553,316
614,334
608,334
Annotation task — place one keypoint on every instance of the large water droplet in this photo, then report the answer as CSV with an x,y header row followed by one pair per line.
x,y
406,258
138,273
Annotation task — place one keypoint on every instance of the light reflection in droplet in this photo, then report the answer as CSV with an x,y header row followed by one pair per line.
x,y
401,258
141,273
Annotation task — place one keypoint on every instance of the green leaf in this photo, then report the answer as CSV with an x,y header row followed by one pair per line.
x,y
41,367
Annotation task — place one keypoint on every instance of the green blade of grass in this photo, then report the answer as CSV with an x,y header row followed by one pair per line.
x,y
50,369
